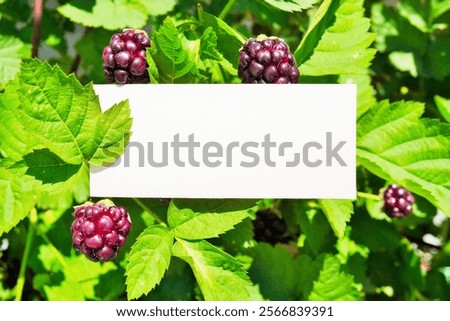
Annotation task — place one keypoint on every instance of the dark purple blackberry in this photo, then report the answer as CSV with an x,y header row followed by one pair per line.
x,y
100,230
165,201
398,201
270,228
124,60
267,60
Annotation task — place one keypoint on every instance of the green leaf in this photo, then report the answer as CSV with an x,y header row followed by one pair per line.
x,y
404,61
338,213
17,198
15,141
413,38
393,143
112,134
171,58
365,98
333,284
47,167
229,41
291,5
343,47
57,112
196,219
317,233
444,107
386,237
158,7
12,50
275,271
219,275
321,20
208,45
148,260
81,278
108,14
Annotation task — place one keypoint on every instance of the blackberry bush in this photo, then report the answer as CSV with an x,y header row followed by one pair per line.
x,y
124,60
267,60
100,230
398,201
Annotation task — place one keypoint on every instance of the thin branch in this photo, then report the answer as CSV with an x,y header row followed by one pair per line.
x,y
37,17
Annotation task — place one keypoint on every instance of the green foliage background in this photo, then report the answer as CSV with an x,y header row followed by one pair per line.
x,y
52,129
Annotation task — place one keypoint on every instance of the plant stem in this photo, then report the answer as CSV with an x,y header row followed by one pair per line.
x,y
26,253
368,196
226,9
54,250
37,17
145,208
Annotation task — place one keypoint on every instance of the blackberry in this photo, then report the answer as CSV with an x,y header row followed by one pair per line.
x,y
267,60
398,201
124,60
165,201
100,230
270,228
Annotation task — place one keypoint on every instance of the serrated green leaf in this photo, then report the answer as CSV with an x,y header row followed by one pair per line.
x,y
229,41
195,219
112,134
108,14
171,58
219,275
365,98
444,107
15,141
62,195
148,260
208,45
275,271
12,51
152,69
291,5
17,198
393,143
55,111
333,284
47,167
321,20
344,43
338,213
158,7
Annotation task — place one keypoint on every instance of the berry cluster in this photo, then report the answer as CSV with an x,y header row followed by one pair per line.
x,y
267,60
100,230
270,228
398,201
124,59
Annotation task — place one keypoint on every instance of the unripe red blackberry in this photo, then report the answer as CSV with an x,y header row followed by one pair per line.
x,y
100,230
267,60
398,201
124,59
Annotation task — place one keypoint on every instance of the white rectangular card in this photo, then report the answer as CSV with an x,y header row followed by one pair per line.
x,y
233,141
